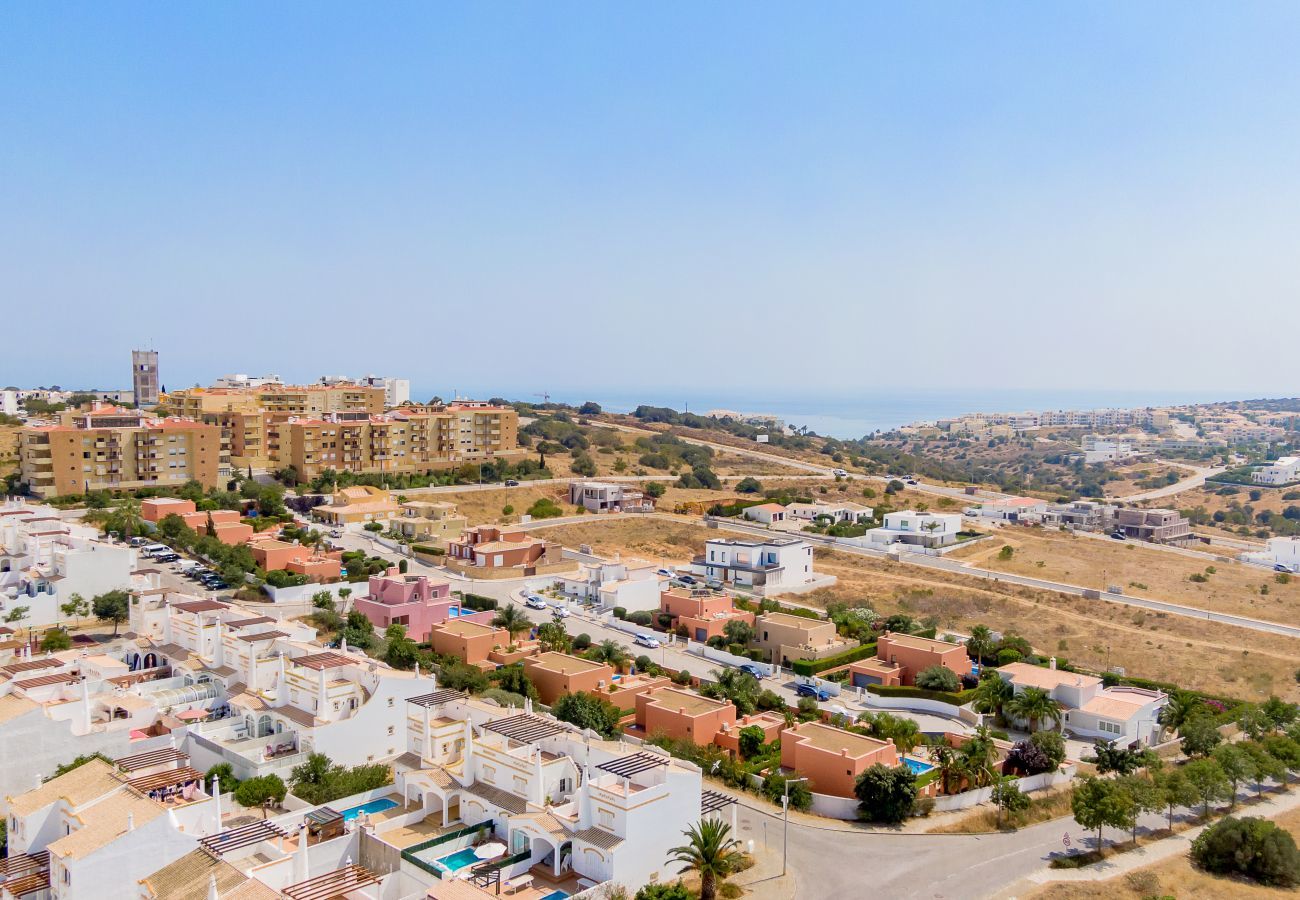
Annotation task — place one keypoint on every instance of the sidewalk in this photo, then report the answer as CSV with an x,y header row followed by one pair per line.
x,y
1149,854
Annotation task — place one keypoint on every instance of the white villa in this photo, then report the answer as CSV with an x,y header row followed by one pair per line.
x,y
917,529
1279,472
630,583
771,565
45,560
1282,551
1128,715
567,804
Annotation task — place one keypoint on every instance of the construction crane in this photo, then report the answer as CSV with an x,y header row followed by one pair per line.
x,y
546,398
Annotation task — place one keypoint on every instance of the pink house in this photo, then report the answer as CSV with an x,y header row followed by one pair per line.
x,y
416,601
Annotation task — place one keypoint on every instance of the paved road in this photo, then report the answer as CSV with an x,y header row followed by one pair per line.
x,y
1195,480
902,865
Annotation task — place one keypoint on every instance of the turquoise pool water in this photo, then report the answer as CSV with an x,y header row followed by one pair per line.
x,y
555,895
457,861
371,808
453,612
917,766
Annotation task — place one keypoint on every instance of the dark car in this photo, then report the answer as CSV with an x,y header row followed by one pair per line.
x,y
1118,536
811,690
751,669
510,482
686,579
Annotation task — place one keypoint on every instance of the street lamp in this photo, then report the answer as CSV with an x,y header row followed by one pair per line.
x,y
785,828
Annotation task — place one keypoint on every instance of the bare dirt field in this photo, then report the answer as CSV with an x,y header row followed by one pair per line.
x,y
1172,878
8,448
1138,570
1222,659
1137,472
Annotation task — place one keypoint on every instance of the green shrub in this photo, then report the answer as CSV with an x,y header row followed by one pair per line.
x,y
813,666
901,690
428,549
620,612
1255,848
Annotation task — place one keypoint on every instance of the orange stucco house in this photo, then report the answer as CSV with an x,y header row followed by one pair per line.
x,y
832,758
471,641
683,715
901,657
556,674
702,612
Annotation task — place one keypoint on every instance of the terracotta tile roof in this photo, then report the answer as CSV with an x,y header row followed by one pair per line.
x,y
500,799
188,877
598,837
200,606
30,665
106,821
1029,675
83,784
294,714
46,680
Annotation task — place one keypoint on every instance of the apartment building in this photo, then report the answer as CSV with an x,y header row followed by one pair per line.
x,y
785,638
703,613
1279,472
410,439
832,758
144,377
396,390
901,657
606,496
115,449
772,563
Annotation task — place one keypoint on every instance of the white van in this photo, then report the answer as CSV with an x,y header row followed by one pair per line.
x,y
155,549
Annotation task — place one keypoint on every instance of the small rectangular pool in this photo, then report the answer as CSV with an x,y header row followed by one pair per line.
x,y
374,806
555,895
457,861
917,766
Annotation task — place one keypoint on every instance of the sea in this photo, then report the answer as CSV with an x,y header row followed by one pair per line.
x,y
854,416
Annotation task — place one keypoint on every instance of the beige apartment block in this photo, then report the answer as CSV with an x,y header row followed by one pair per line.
x,y
787,638
115,449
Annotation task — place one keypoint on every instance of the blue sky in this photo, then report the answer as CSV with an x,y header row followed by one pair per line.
x,y
758,198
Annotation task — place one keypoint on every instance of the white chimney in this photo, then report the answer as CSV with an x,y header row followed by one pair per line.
x,y
1051,664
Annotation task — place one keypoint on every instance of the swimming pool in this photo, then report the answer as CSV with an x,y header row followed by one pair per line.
x,y
555,895
454,612
457,861
917,766
370,808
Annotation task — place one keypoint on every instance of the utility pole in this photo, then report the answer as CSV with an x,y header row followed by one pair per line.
x,y
785,829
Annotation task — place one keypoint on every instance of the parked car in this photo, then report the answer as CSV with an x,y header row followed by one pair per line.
x,y
646,640
1118,536
812,690
839,473
686,579
1281,568
138,541
532,601
510,482
560,610
335,533
912,481
713,584
667,573
751,669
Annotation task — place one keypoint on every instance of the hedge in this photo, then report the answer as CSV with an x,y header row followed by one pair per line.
x,y
813,666
429,549
959,699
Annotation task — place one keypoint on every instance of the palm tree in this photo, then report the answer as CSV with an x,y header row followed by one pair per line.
x,y
945,760
980,644
976,758
992,694
1033,705
127,518
611,653
1178,710
711,852
512,620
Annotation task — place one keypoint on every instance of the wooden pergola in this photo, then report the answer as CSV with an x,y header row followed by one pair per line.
x,y
332,884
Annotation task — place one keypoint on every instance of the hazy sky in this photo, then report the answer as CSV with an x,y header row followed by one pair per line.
x,y
604,197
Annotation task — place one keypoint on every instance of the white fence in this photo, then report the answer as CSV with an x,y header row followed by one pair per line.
x,y
730,659
983,795
923,705
302,593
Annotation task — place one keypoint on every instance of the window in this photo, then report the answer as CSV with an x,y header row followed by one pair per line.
x,y
390,702
390,729
605,818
